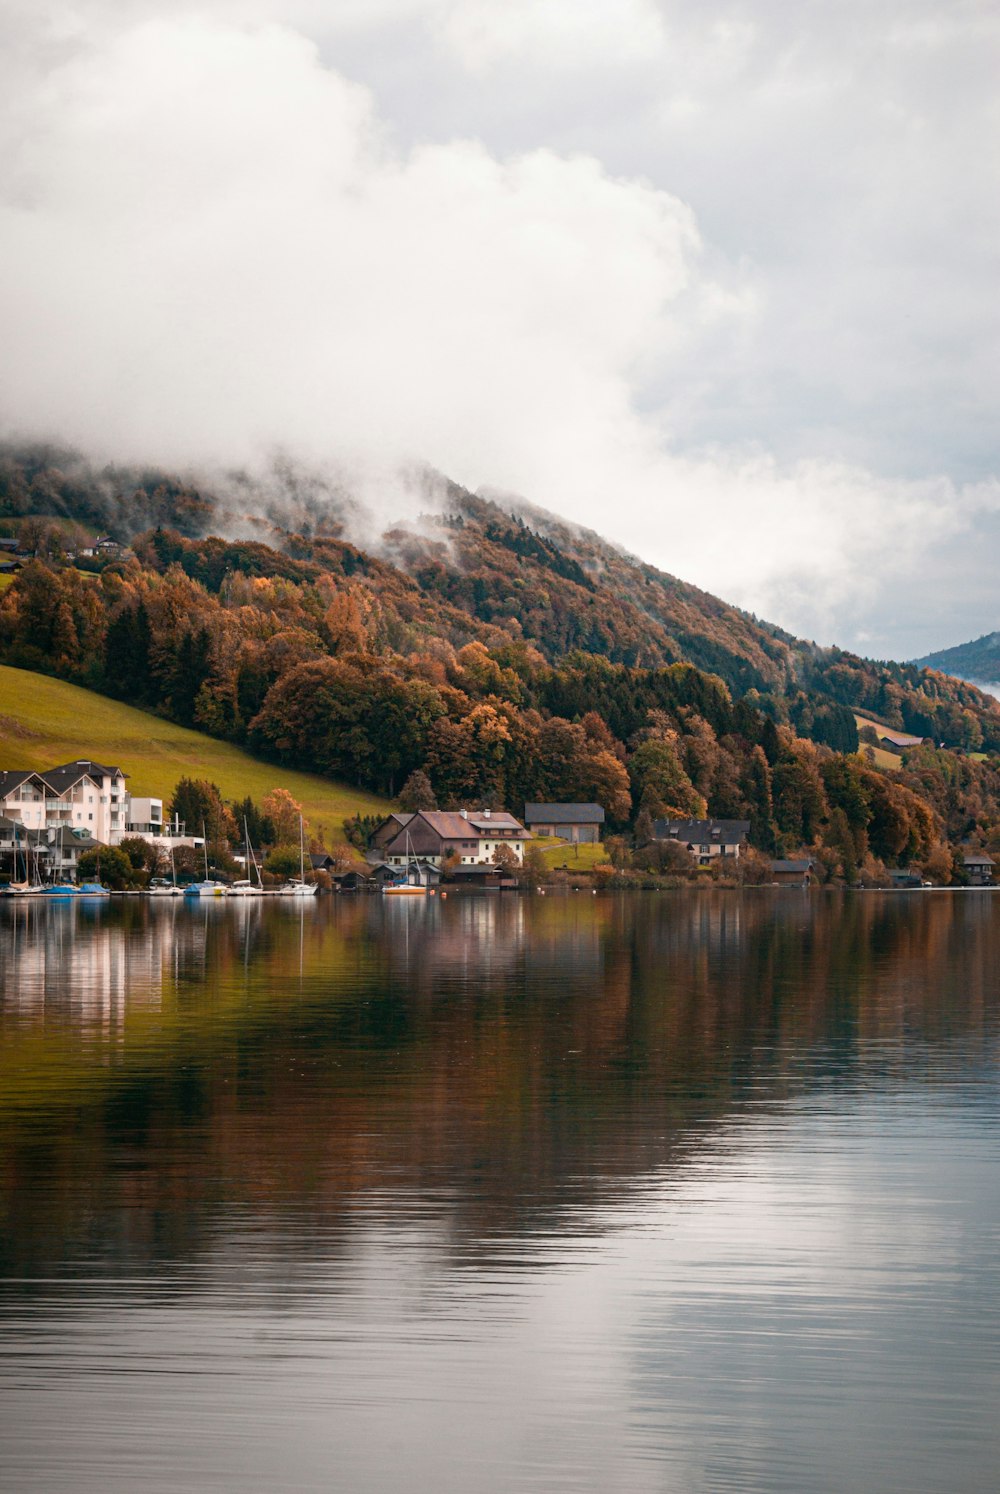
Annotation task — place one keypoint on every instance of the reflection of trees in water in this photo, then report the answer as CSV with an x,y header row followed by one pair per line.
x,y
517,1055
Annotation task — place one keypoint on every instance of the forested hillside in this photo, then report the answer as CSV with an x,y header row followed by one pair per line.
x,y
978,660
489,647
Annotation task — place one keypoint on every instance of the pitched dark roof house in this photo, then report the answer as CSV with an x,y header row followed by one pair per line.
x,y
389,829
471,835
574,822
791,872
704,838
896,740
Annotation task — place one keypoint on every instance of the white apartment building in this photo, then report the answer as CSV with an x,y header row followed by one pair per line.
x,y
89,799
82,795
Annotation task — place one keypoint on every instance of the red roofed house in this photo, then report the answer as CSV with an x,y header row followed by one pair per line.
x,y
473,835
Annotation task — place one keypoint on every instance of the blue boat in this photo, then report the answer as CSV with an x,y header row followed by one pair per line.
x,y
62,891
92,889
206,889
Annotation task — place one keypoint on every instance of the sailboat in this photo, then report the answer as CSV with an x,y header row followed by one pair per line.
x,y
412,886
207,888
27,887
298,886
245,886
167,889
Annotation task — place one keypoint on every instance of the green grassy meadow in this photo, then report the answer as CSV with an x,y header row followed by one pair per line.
x,y
888,761
560,853
45,721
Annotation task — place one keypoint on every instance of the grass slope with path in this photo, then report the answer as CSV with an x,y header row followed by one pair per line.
x,y
44,721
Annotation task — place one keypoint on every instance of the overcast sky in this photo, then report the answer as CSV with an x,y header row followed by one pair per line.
x,y
718,280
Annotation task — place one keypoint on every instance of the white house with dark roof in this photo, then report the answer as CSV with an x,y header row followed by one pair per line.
x,y
89,796
705,839
472,835
83,795
579,823
88,799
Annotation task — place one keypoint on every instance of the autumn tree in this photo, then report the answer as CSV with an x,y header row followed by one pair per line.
x,y
284,814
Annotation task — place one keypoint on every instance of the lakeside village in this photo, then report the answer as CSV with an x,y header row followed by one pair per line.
x,y
76,829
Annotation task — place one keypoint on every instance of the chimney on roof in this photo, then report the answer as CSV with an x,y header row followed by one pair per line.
x,y
486,814
464,813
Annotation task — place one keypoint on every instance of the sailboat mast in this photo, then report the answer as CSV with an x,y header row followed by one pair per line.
x,y
250,855
204,846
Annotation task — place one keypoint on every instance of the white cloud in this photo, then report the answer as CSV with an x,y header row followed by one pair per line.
x,y
211,248
556,34
215,245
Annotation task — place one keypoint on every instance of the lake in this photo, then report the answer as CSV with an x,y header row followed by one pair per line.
x,y
644,1192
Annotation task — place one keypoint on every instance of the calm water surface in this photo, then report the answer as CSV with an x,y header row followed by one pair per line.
x,y
659,1192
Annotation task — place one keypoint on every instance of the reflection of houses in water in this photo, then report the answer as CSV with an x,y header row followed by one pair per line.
x,y
88,962
443,939
450,939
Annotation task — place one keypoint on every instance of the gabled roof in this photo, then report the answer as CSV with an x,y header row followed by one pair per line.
x,y
563,814
494,819
702,832
978,858
67,774
791,866
449,824
897,738
12,779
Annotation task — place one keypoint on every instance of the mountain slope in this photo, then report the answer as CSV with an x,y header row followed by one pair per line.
x,y
44,721
495,569
978,661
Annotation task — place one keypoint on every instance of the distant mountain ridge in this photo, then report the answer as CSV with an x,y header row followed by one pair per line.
x,y
977,662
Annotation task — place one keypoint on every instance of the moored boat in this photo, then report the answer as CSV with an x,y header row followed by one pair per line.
x,y
298,886
206,889
245,888
295,888
412,884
